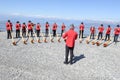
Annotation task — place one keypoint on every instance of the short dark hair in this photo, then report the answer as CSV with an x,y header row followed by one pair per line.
x,y
81,22
108,25
8,20
29,21
101,24
118,26
17,22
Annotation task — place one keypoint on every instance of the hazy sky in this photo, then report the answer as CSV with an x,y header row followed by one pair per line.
x,y
70,9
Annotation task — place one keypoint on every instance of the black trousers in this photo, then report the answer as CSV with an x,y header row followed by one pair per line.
x,y
46,32
24,32
30,31
107,37
81,32
100,34
116,37
38,33
62,32
92,35
17,33
69,49
54,33
9,34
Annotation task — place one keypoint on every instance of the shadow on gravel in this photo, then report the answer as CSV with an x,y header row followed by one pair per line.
x,y
77,58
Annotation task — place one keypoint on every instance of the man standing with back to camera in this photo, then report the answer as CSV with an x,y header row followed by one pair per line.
x,y
70,36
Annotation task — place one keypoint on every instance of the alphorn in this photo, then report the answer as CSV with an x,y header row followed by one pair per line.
x,y
107,43
13,41
31,39
88,39
58,38
44,38
51,37
80,40
99,42
24,41
38,40
93,42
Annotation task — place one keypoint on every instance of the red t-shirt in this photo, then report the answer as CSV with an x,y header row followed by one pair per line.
x,y
108,30
8,26
38,27
117,31
47,26
23,26
101,29
70,37
29,26
18,26
81,27
92,30
63,27
54,27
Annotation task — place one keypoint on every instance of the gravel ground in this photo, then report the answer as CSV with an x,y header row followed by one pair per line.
x,y
44,61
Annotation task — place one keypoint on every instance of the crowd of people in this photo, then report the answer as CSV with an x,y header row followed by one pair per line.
x,y
69,36
28,28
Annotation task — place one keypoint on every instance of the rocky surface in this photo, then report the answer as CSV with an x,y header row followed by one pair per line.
x,y
44,61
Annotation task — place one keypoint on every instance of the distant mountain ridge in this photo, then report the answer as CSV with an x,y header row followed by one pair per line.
x,y
51,20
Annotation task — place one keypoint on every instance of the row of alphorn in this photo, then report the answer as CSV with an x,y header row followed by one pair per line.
x,y
88,40
98,42
37,38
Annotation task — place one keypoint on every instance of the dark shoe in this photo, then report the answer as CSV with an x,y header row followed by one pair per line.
x,y
65,62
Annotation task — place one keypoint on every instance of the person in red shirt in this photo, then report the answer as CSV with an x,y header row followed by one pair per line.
x,y
81,27
100,29
38,26
62,28
70,36
30,29
54,29
108,30
92,31
24,29
9,29
18,25
116,33
46,28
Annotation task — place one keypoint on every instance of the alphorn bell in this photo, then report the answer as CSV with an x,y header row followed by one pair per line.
x,y
24,42
106,43
88,40
80,40
59,40
45,40
38,40
13,41
51,38
93,42
31,40
98,43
